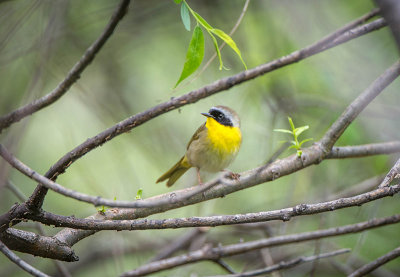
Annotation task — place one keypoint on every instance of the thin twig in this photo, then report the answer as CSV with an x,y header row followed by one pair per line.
x,y
287,264
393,173
72,76
225,266
357,151
353,110
37,198
211,221
21,263
364,270
239,248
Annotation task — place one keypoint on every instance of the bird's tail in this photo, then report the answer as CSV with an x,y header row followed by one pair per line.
x,y
175,172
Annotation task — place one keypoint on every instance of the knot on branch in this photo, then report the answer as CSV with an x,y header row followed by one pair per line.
x,y
300,209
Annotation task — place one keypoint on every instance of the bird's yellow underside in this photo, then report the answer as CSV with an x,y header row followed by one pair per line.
x,y
225,139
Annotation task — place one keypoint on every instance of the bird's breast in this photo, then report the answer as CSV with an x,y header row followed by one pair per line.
x,y
223,139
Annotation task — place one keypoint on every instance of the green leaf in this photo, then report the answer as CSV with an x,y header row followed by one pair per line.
x,y
177,1
293,147
194,55
202,21
185,16
300,130
303,141
102,209
283,131
221,64
228,40
139,194
291,123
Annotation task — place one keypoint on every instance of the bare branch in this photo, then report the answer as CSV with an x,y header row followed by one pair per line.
x,y
364,150
31,243
364,270
19,262
287,264
354,109
37,198
73,74
178,244
211,221
234,249
390,11
393,173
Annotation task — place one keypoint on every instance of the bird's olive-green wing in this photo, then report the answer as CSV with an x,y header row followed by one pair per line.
x,y
196,135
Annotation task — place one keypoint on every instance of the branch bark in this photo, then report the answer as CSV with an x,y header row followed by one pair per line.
x,y
234,249
285,264
212,221
21,263
364,270
31,243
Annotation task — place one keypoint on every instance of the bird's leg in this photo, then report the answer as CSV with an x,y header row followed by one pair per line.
x,y
198,176
232,175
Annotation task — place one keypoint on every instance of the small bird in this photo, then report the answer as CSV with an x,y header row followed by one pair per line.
x,y
212,147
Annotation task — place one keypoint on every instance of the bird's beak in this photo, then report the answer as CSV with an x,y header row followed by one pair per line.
x,y
207,115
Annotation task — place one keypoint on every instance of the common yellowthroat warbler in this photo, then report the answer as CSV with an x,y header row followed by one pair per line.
x,y
212,147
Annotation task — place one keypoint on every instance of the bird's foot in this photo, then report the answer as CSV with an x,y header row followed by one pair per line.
x,y
232,175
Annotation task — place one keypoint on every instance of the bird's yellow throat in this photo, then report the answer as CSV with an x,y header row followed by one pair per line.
x,y
224,138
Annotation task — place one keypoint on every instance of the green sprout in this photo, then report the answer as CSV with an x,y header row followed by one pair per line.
x,y
139,194
295,132
102,209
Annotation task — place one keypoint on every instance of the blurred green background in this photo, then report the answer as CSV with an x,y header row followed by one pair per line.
x,y
136,69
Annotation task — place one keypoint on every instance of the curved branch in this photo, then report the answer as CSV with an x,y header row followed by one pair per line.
x,y
346,34
364,270
73,74
211,221
21,263
235,249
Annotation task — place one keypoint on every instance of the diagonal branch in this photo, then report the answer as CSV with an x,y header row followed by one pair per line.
x,y
393,173
37,198
286,264
239,248
364,270
73,74
21,263
354,109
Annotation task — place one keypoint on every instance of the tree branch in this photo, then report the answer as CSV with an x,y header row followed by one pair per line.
x,y
354,109
342,35
73,74
364,150
19,262
31,243
364,270
235,249
393,173
211,221
285,264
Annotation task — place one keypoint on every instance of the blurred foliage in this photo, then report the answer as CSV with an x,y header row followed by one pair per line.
x,y
41,40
